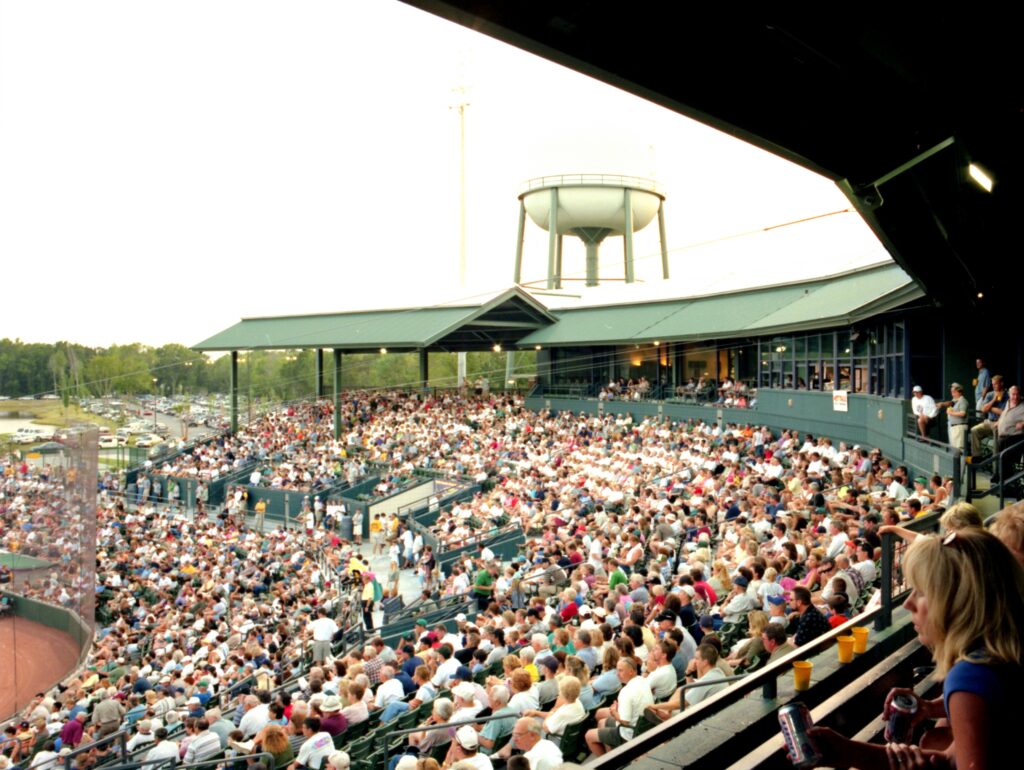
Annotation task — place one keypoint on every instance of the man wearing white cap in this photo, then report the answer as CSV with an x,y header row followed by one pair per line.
x,y
466,748
924,409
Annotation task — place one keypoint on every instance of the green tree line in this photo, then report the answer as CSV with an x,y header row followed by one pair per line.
x,y
70,370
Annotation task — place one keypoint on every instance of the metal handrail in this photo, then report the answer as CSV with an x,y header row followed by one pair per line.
x,y
589,180
892,547
765,678
121,737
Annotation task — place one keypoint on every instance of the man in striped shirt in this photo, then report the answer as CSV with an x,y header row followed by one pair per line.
x,y
204,744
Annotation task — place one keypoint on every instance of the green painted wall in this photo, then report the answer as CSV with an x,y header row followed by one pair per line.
x,y
872,421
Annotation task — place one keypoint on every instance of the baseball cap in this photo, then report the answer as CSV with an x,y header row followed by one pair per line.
x,y
467,738
462,673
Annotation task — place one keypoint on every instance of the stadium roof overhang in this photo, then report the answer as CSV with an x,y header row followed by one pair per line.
x,y
894,107
502,320
514,318
837,300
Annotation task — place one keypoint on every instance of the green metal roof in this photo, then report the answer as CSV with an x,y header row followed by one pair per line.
x,y
514,317
806,305
509,314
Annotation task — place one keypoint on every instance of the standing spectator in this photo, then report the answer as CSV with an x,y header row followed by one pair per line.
x,y
982,383
956,416
74,728
322,630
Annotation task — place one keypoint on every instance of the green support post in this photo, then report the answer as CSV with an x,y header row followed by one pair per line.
x,y
234,391
319,372
424,369
337,393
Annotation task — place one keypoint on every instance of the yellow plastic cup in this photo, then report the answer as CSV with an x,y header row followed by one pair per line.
x,y
860,638
802,674
846,648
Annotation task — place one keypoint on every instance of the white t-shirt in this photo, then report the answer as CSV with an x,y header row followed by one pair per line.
x,y
662,682
632,700
315,750
389,691
545,755
564,716
323,629
480,762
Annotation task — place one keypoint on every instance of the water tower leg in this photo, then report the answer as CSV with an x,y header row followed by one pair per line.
x,y
552,237
592,279
627,234
558,265
518,277
664,243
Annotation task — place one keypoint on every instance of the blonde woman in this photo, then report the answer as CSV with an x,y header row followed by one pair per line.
x,y
752,647
967,605
720,580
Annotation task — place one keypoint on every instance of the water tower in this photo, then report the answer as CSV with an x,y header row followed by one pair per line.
x,y
591,207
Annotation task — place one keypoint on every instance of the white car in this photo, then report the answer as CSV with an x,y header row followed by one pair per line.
x,y
111,442
28,435
148,440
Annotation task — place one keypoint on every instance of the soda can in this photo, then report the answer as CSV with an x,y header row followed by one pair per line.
x,y
900,728
795,720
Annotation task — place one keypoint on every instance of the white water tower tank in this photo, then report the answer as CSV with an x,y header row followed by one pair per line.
x,y
591,207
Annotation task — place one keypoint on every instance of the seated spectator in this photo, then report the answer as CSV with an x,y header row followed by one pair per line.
x,y
1009,528
492,731
316,748
810,622
776,642
567,710
616,724
424,741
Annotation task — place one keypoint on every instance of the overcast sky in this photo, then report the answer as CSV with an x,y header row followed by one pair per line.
x,y
167,168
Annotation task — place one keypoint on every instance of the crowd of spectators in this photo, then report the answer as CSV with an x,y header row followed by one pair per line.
x,y
656,553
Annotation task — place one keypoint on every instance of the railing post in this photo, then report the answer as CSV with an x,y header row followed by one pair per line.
x,y
884,620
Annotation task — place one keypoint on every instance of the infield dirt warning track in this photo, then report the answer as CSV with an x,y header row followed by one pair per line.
x,y
33,657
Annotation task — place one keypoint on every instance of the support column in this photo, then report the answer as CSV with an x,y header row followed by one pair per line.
x,y
424,369
558,265
234,391
664,243
337,393
518,277
319,372
627,234
552,237
510,366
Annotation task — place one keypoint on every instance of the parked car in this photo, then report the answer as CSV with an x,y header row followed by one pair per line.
x,y
28,435
148,440
112,442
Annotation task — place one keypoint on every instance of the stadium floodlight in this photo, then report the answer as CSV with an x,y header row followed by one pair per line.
x,y
983,180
